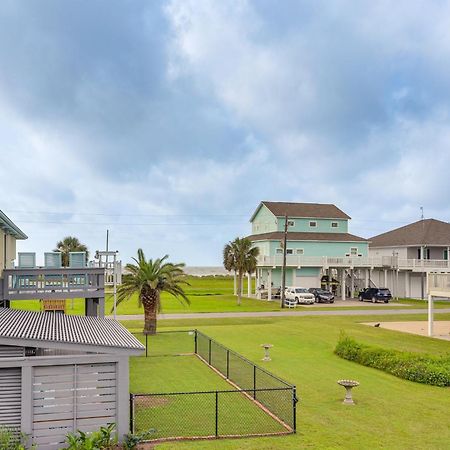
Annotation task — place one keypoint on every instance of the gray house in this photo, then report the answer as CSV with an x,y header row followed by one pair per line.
x,y
59,374
413,251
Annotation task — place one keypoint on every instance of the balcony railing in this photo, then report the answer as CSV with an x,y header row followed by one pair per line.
x,y
387,262
39,283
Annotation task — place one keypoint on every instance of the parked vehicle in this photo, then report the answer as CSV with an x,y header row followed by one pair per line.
x,y
375,295
321,295
300,295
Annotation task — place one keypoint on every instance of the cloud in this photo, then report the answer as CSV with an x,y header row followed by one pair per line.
x,y
168,122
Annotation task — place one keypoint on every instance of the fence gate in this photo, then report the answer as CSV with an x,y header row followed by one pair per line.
x,y
10,397
69,398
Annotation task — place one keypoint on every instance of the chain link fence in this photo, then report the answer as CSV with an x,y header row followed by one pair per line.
x,y
258,404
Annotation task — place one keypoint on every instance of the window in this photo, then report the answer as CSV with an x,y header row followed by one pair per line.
x,y
291,223
256,227
334,224
299,251
445,255
313,224
279,251
353,251
426,253
289,251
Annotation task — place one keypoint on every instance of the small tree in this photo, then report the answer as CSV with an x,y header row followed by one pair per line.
x,y
70,244
239,255
148,279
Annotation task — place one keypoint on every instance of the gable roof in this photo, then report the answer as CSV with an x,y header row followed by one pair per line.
x,y
50,330
7,225
303,210
307,236
422,232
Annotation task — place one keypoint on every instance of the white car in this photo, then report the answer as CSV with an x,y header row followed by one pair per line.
x,y
300,295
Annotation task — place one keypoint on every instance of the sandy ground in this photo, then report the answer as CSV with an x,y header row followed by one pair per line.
x,y
441,327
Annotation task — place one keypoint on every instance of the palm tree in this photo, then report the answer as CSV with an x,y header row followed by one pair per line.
x,y
240,256
148,279
70,244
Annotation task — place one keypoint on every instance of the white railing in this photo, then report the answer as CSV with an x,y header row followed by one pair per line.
x,y
391,262
439,283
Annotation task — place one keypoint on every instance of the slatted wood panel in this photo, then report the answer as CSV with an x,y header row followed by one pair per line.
x,y
10,397
72,397
10,351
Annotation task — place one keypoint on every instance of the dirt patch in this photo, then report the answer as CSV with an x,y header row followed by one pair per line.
x,y
441,328
151,401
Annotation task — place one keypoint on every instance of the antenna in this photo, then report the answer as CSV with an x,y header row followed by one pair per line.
x,y
421,210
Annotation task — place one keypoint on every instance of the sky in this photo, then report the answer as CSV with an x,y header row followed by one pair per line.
x,y
167,122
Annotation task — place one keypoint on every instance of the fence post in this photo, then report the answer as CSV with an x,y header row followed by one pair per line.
x,y
217,414
131,413
294,409
254,381
195,341
209,353
228,364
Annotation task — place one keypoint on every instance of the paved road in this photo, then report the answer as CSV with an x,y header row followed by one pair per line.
x,y
341,312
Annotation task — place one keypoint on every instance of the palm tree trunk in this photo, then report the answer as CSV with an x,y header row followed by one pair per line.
x,y
150,301
239,288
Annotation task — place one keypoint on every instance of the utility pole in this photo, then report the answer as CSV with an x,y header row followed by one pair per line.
x,y
283,268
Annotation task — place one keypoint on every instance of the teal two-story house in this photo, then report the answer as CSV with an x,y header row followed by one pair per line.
x,y
318,243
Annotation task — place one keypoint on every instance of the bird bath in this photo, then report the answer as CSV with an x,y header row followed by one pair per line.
x,y
266,348
348,384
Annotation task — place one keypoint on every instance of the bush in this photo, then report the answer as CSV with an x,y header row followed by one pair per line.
x,y
12,439
418,367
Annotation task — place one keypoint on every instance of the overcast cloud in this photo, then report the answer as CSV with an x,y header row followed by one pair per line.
x,y
168,122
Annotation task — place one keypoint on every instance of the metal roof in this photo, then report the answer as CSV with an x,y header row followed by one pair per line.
x,y
50,330
7,225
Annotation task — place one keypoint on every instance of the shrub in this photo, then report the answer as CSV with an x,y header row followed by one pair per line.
x,y
98,440
12,439
418,367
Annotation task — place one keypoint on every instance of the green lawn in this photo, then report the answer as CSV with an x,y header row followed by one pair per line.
x,y
189,414
390,412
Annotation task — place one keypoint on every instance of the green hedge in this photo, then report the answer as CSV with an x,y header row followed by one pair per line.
x,y
418,367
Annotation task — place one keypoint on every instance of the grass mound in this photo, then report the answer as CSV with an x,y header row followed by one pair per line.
x,y
418,367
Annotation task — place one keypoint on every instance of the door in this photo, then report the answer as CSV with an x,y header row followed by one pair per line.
x,y
69,398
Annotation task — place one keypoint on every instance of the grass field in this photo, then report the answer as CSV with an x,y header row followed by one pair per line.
x,y
208,294
389,413
178,414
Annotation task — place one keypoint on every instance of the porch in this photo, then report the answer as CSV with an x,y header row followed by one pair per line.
x,y
56,284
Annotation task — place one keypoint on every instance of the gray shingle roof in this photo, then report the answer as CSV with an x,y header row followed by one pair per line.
x,y
307,236
424,232
78,332
305,210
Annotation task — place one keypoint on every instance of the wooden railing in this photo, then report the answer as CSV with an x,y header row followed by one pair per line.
x,y
40,283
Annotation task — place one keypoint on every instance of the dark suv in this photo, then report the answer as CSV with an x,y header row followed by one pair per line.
x,y
375,295
321,295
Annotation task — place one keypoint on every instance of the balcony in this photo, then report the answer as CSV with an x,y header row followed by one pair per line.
x,y
379,262
55,283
